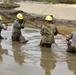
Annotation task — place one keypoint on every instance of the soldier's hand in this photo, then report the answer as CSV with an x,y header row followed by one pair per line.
x,y
67,40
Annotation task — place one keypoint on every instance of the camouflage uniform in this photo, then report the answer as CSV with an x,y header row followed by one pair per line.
x,y
72,44
16,34
48,32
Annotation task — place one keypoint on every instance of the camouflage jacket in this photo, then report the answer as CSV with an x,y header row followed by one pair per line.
x,y
47,33
16,26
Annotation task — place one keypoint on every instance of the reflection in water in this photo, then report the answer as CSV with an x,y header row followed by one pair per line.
x,y
61,69
18,54
47,60
72,63
2,51
54,61
52,66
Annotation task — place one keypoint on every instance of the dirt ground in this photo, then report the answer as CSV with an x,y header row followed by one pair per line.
x,y
59,11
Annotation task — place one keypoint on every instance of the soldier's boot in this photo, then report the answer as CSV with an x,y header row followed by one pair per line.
x,y
41,44
23,40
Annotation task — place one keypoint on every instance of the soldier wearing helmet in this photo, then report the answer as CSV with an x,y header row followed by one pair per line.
x,y
17,26
71,42
48,31
2,26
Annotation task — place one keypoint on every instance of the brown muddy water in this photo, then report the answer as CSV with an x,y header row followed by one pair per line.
x,y
31,59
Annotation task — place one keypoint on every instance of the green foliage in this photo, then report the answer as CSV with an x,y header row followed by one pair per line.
x,y
67,1
58,1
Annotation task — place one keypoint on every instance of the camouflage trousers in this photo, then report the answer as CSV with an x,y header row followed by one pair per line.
x,y
17,36
45,44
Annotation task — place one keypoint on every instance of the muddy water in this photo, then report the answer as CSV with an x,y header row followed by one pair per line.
x,y
31,59
66,29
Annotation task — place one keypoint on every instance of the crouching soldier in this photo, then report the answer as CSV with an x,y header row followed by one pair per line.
x,y
2,26
48,31
17,26
71,42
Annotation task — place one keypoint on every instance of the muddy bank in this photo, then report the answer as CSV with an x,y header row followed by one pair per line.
x,y
9,15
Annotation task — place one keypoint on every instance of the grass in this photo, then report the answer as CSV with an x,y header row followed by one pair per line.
x,y
58,1
53,1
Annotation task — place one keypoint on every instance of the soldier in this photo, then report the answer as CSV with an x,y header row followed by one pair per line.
x,y
17,26
2,26
71,42
48,31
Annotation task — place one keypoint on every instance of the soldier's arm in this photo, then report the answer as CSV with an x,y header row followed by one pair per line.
x,y
4,26
56,31
22,25
42,30
69,37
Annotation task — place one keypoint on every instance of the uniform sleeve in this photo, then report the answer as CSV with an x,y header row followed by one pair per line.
x,y
42,31
55,31
71,35
1,26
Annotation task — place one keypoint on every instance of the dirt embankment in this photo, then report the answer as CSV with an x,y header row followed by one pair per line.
x,y
9,15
